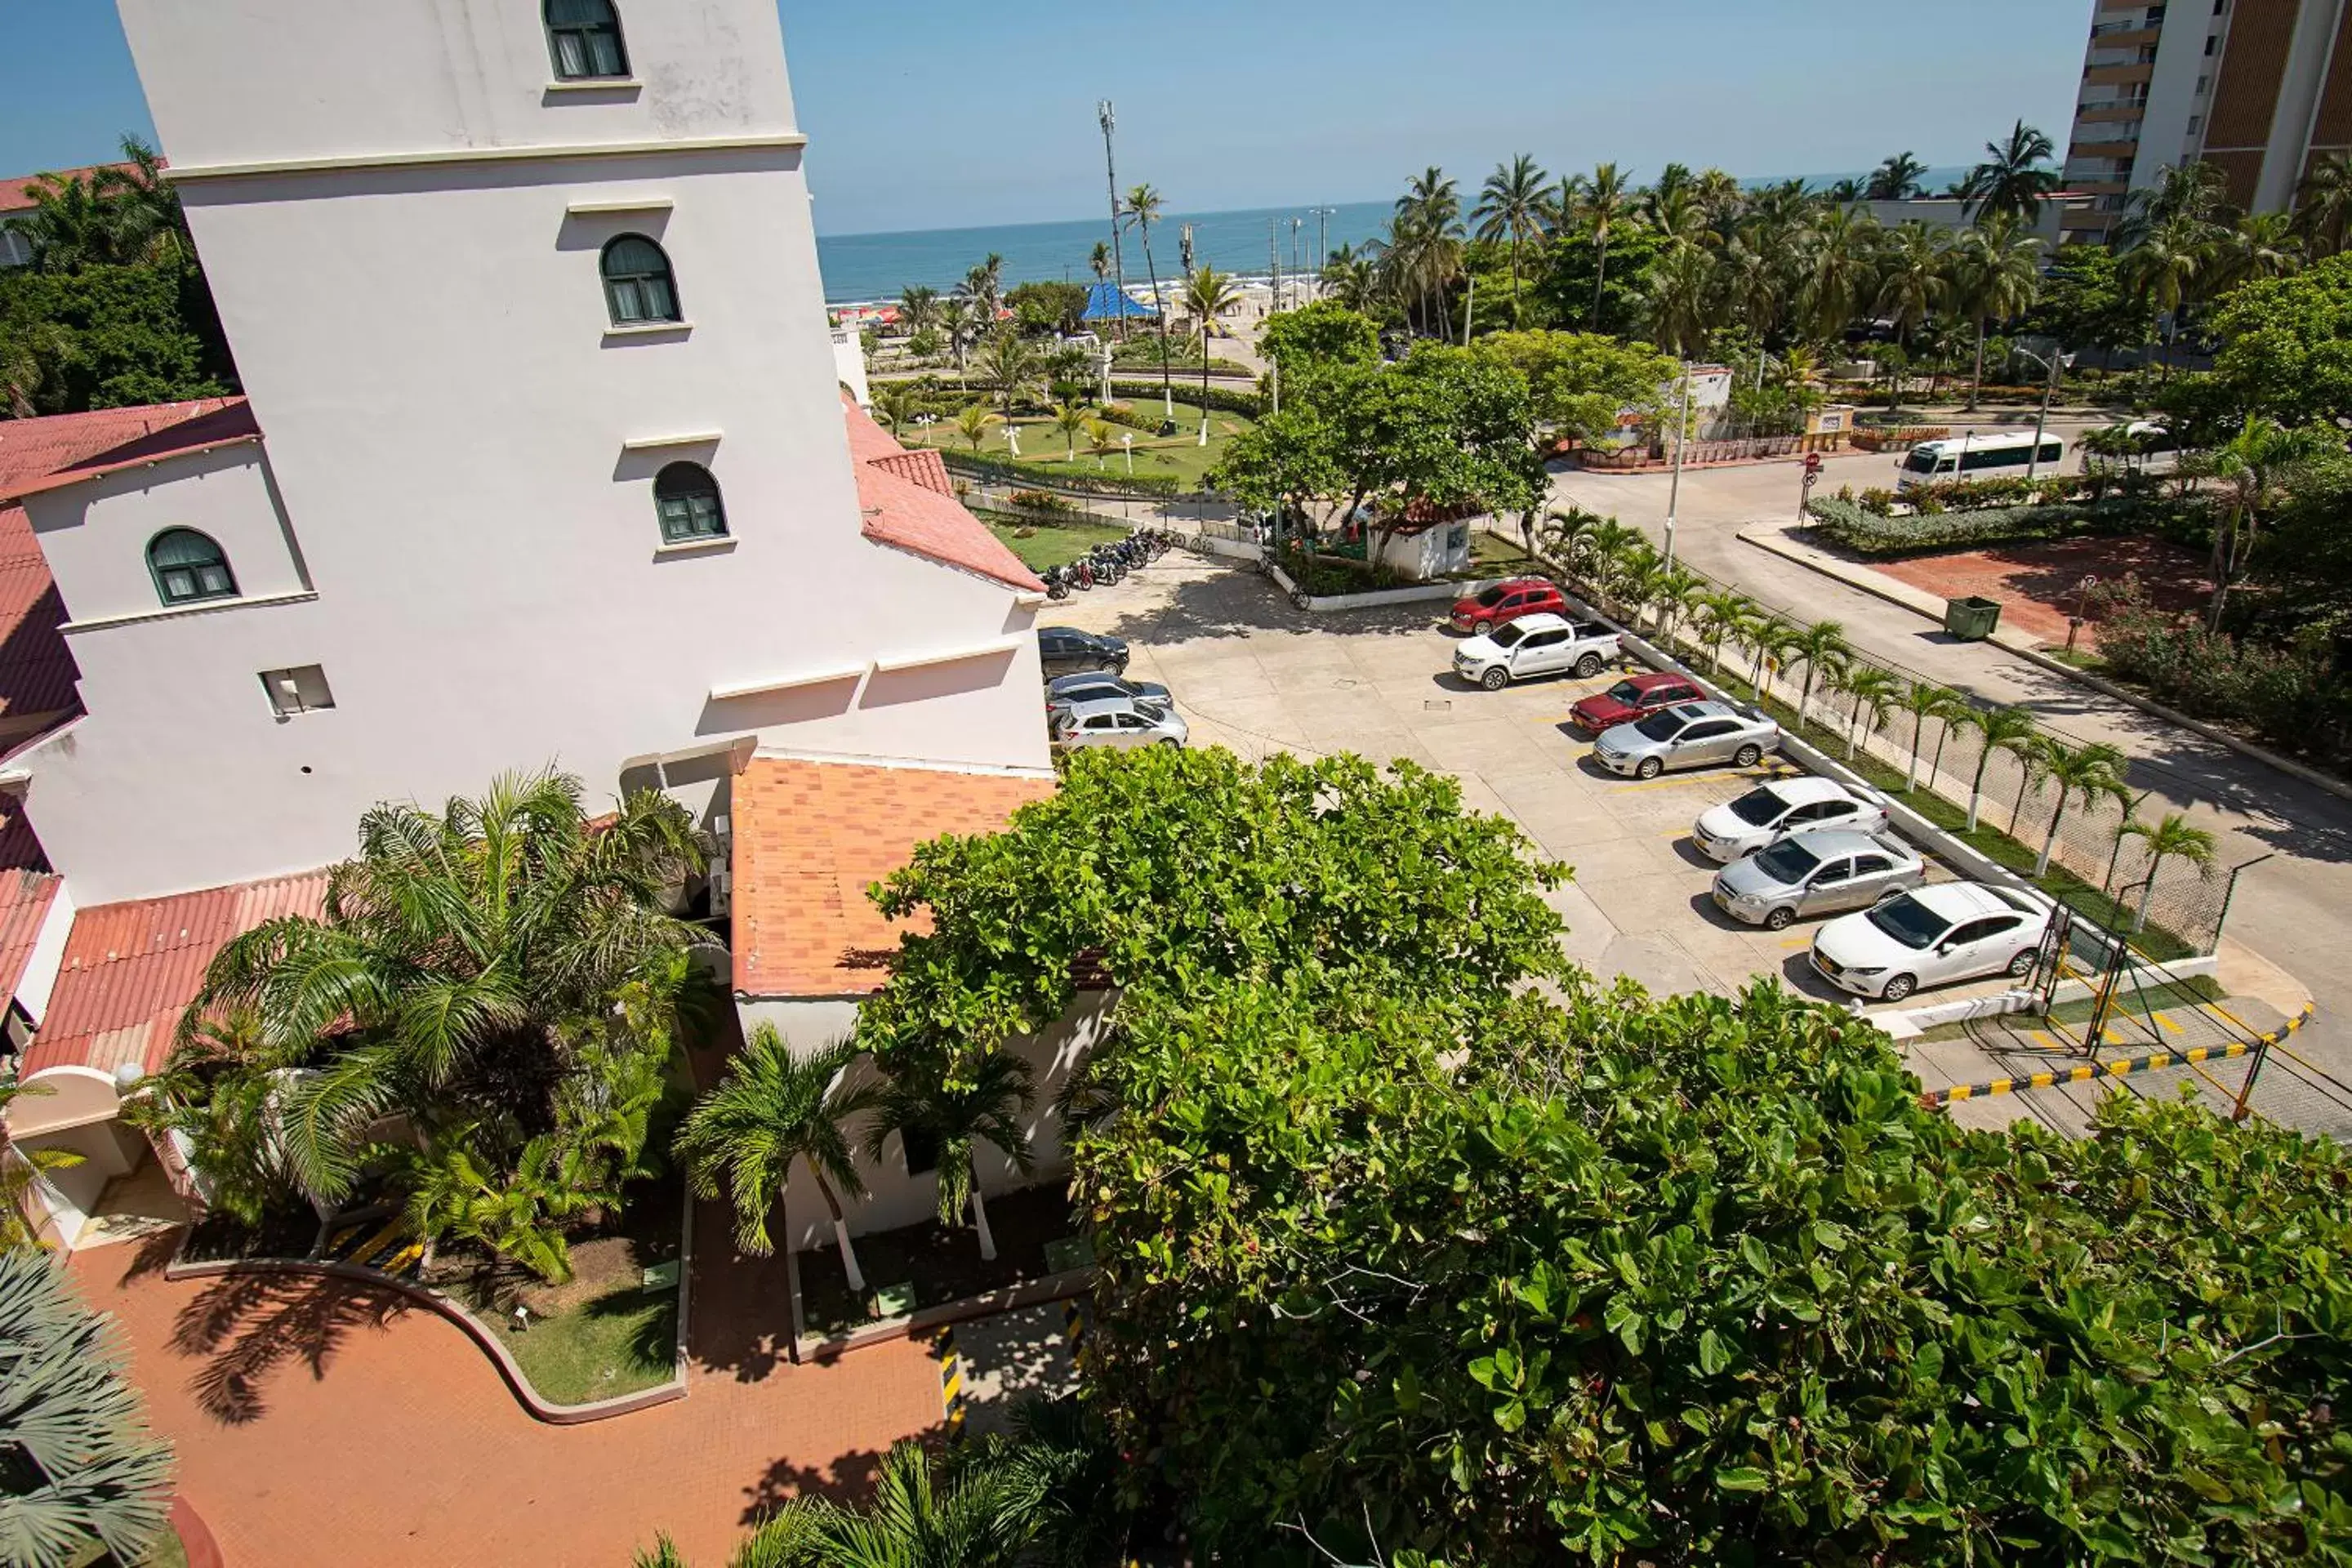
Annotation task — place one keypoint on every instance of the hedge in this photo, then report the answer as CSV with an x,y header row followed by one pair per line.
x,y
1865,532
1145,486
1224,397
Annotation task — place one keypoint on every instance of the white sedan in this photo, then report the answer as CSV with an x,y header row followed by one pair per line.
x,y
1773,811
1933,936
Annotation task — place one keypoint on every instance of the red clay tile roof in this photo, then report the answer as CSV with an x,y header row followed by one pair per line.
x,y
24,901
131,969
216,423
14,195
810,836
909,503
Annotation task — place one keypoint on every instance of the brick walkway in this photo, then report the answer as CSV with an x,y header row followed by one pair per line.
x,y
320,1422
2036,583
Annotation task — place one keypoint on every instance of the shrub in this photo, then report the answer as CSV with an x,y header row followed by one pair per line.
x,y
2291,696
1859,528
1229,399
1041,500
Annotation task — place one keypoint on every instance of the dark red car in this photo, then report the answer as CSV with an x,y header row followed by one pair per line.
x,y
1635,697
1508,601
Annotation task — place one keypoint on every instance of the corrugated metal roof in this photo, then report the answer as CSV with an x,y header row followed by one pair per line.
x,y
224,423
131,969
24,901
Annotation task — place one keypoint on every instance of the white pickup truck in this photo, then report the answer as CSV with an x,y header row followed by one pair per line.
x,y
1534,645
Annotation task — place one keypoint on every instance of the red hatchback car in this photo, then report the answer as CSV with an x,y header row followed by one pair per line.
x,y
1635,697
1508,601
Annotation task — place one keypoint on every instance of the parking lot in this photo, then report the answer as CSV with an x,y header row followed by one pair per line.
x,y
1251,673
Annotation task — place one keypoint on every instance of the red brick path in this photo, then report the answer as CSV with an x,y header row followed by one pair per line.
x,y
2036,583
318,1421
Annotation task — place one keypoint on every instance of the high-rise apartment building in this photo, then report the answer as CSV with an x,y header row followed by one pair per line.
x,y
2259,89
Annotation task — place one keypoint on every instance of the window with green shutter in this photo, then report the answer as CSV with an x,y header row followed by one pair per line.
x,y
638,288
189,567
685,498
583,37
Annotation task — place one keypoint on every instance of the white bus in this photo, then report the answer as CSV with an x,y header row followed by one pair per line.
x,y
1979,457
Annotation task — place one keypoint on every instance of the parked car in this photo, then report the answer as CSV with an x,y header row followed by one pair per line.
x,y
1118,721
1933,936
1632,697
1690,735
1064,691
1505,602
1066,650
1816,874
1775,810
1533,646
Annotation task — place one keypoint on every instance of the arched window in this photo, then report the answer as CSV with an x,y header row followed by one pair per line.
x,y
584,37
639,288
188,567
687,498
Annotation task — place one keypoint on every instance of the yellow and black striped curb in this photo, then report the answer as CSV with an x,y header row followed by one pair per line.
x,y
1940,1098
950,1384
1074,1325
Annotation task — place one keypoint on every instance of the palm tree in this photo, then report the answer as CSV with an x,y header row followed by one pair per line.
x,y
913,1521
1675,594
1771,640
1872,693
1924,700
2196,191
85,1479
1912,281
918,309
1719,614
1896,180
896,404
971,424
2164,268
1102,440
1008,363
2258,245
1822,649
1098,261
71,226
1069,418
148,224
2013,180
2081,772
1601,203
20,1170
1609,549
1996,271
1998,730
983,1106
2323,205
1679,298
2170,840
1839,258
1348,278
956,317
1208,293
452,956
1511,207
1143,206
2250,468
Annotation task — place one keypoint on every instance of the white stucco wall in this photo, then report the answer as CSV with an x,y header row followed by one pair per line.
x,y
40,980
447,423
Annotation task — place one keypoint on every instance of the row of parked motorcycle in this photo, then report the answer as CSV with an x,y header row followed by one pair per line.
x,y
1108,562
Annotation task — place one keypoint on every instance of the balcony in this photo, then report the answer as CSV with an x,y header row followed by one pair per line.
x,y
2124,36
2118,76
2112,112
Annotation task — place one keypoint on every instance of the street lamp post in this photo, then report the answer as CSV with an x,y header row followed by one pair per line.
x,y
1675,486
2055,363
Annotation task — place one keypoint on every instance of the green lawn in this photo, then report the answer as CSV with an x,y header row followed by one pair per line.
x,y
1056,544
616,1343
1045,450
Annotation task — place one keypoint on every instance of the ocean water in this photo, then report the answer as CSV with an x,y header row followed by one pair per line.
x,y
859,266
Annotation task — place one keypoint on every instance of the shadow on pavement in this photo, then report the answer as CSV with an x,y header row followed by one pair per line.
x,y
245,1326
848,1477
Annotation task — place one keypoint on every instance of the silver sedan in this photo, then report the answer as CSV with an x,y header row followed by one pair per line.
x,y
1687,735
1816,874
1118,721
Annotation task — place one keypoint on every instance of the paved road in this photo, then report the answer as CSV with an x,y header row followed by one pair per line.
x,y
2295,909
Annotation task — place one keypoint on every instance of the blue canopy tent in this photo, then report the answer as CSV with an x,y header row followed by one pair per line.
x,y
1106,302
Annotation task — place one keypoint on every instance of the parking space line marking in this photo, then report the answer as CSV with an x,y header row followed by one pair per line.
x,y
2165,1020
2044,1040
1792,942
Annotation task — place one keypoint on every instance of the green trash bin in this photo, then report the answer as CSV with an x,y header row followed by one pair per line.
x,y
1972,619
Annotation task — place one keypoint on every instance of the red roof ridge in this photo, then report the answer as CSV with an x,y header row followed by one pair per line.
x,y
909,503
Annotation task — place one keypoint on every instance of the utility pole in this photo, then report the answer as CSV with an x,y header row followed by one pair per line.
x,y
1109,119
2049,390
1274,263
1295,223
1322,246
1675,486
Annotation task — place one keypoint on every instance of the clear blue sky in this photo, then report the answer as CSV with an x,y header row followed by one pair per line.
x,y
939,115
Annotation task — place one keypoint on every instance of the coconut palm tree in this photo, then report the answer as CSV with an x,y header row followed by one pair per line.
x,y
2323,205
2258,245
2195,191
1098,261
1208,293
1102,440
918,309
2164,270
983,1106
1511,208
1872,693
1008,363
1769,640
2014,178
1911,281
971,424
1719,614
148,224
1822,649
1896,180
1599,204
2250,471
1924,700
85,1480
1840,261
1070,418
2170,839
1143,206
956,319
1995,272
772,1111
914,1520
1997,730
1680,298
897,404
453,957
2086,773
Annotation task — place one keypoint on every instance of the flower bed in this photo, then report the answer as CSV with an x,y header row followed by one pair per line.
x,y
1866,532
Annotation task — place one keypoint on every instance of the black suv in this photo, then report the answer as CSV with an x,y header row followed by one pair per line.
x,y
1066,650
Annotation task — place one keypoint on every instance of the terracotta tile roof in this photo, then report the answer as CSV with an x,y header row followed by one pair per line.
x,y
24,901
14,195
214,421
131,968
810,836
909,503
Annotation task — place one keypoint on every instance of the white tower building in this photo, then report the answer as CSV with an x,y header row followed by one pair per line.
x,y
544,459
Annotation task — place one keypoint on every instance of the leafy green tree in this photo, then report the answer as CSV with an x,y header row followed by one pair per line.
x,y
1582,383
1048,307
772,1111
80,1475
2084,305
1323,334
109,337
2250,471
2286,349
